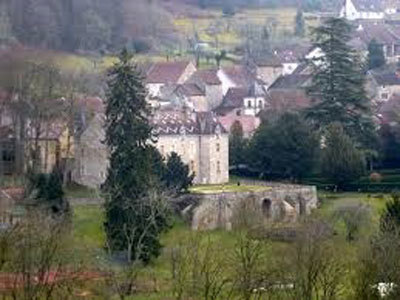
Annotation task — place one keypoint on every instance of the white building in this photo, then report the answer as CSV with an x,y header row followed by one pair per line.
x,y
362,10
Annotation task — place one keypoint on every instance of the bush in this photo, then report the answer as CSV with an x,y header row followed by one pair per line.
x,y
375,177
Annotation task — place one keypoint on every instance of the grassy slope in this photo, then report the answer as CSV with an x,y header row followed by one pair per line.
x,y
90,238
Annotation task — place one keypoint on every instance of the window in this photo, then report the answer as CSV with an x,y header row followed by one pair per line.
x,y
83,171
218,147
218,167
238,112
384,96
249,103
260,104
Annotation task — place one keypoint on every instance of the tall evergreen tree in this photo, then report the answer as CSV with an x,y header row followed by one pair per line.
x,y
338,83
133,223
300,25
376,57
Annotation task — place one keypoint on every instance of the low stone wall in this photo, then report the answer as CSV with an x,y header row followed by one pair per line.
x,y
279,203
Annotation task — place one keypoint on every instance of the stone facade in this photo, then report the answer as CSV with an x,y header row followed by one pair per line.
x,y
201,142
198,138
91,155
278,203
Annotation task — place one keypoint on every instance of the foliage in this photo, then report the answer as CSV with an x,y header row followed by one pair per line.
x,y
47,192
376,56
390,146
355,218
341,161
133,222
338,83
177,175
237,145
390,219
286,148
67,25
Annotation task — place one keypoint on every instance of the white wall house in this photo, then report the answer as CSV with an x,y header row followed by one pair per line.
x,y
362,10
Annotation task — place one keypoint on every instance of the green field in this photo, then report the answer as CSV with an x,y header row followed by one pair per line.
x,y
155,279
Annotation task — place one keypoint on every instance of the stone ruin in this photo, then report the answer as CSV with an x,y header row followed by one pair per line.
x,y
277,203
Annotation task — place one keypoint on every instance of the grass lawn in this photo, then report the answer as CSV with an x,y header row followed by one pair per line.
x,y
226,188
156,278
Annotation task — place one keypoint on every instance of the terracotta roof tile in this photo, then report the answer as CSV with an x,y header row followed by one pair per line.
x,y
208,77
166,72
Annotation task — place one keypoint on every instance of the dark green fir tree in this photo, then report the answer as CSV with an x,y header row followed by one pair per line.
x,y
133,221
376,56
338,83
177,176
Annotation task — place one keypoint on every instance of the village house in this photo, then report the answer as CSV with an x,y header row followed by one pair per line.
x,y
267,69
388,36
381,85
209,82
291,56
242,104
362,10
165,73
288,93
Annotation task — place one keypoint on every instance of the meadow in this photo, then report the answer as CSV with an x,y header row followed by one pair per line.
x,y
155,280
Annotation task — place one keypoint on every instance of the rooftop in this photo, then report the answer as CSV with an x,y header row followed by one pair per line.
x,y
166,72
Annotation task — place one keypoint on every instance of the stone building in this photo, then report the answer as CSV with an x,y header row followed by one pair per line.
x,y
362,10
198,138
165,73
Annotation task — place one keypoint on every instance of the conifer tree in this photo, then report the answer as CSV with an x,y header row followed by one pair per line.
x,y
338,83
376,57
133,222
177,175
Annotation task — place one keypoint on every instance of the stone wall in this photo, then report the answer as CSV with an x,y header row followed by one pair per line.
x,y
278,203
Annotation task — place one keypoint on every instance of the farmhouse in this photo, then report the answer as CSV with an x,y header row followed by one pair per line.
x,y
362,10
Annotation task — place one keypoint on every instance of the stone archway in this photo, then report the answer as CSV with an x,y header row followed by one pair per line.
x,y
266,207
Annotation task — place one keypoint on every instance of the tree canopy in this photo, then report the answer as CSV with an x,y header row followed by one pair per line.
x,y
338,83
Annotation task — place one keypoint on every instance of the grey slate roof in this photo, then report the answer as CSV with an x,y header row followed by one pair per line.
x,y
172,122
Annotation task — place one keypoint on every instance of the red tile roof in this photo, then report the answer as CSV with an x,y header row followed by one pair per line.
x,y
288,100
208,77
240,75
166,72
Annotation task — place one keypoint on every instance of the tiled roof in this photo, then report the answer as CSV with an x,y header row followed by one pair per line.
x,y
166,72
390,78
234,97
382,33
208,77
288,100
181,123
240,75
190,89
292,81
268,61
